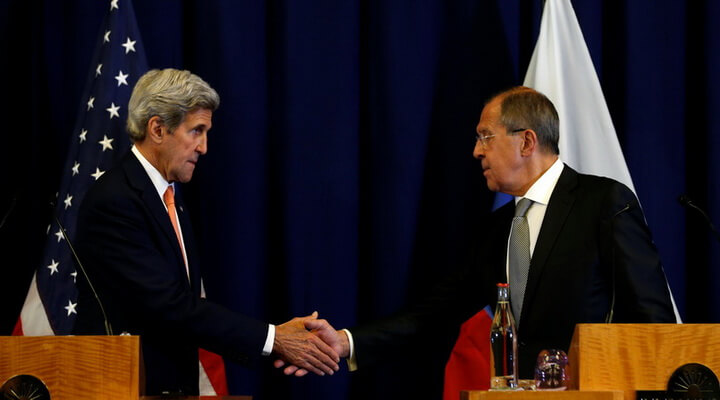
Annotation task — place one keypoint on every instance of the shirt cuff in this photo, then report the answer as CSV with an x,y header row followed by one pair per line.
x,y
352,360
267,349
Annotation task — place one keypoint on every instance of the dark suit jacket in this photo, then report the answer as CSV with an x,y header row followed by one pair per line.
x,y
129,248
593,243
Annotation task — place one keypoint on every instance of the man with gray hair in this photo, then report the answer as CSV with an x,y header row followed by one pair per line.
x,y
135,238
574,248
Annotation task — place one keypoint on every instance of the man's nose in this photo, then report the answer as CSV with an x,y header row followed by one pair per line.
x,y
479,151
202,147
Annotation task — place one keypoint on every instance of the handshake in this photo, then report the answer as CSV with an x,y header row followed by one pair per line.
x,y
308,344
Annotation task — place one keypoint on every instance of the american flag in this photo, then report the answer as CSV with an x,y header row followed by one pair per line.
x,y
98,140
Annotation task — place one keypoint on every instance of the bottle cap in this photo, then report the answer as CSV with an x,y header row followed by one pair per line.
x,y
502,285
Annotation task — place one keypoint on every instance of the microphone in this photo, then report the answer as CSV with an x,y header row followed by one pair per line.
x,y
611,311
108,328
9,211
686,202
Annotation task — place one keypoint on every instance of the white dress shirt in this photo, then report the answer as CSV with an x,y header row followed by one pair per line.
x,y
539,193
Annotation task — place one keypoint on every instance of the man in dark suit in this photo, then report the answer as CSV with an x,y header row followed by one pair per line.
x,y
591,257
135,238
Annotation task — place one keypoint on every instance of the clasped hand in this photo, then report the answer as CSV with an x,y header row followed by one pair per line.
x,y
308,344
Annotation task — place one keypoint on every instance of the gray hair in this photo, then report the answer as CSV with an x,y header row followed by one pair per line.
x,y
169,94
525,108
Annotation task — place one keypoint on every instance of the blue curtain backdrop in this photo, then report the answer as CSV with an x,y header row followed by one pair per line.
x,y
339,176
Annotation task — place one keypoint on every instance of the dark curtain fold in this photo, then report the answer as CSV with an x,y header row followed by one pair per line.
x,y
340,175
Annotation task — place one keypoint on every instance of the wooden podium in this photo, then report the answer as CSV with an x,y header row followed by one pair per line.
x,y
537,395
610,361
76,367
631,357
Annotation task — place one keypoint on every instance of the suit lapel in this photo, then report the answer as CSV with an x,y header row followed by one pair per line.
x,y
559,207
141,182
189,240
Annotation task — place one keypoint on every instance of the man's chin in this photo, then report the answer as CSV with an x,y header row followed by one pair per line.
x,y
492,186
187,175
185,178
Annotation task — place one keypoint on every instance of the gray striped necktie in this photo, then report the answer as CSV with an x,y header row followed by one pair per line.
x,y
519,256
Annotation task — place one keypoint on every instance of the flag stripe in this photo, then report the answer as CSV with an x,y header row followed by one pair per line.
x,y
212,374
468,367
561,68
33,319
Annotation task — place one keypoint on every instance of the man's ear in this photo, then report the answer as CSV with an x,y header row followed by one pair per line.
x,y
156,130
530,142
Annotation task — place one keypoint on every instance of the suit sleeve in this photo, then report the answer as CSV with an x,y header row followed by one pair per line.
x,y
641,292
144,289
436,319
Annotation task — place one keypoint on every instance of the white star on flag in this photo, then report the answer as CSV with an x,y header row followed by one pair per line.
x,y
106,143
71,307
129,45
59,235
113,5
76,168
68,201
121,78
98,70
83,135
74,275
91,103
97,173
113,110
106,38
53,267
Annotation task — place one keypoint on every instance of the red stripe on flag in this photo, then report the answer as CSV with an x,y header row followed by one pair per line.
x,y
215,369
18,331
468,367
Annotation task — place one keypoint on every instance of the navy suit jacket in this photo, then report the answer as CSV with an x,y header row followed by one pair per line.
x,y
593,245
131,253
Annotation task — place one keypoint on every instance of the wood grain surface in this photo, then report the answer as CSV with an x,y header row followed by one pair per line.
x,y
75,367
632,357
541,395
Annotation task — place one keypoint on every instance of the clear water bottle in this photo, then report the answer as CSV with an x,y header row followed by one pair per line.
x,y
503,343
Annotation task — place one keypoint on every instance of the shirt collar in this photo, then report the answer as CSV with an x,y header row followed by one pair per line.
x,y
542,189
156,177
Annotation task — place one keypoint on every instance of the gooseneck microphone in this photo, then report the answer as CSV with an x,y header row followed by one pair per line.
x,y
108,328
686,202
9,211
611,311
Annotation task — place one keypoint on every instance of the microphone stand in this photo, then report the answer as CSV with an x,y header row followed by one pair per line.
x,y
686,202
108,328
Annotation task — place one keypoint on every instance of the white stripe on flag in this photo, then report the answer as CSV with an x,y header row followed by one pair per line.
x,y
206,387
561,68
32,317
